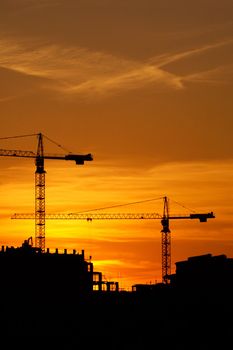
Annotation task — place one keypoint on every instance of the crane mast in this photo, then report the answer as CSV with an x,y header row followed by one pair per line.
x,y
40,196
166,242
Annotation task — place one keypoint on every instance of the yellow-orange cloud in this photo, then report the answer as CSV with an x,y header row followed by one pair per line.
x,y
76,70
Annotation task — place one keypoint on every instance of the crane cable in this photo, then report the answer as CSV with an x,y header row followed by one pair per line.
x,y
21,136
181,205
16,137
57,144
132,203
118,205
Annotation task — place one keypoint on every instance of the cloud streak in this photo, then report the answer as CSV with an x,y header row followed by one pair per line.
x,y
164,60
79,71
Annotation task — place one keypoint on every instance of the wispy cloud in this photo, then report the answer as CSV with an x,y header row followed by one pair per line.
x,y
75,70
166,59
219,75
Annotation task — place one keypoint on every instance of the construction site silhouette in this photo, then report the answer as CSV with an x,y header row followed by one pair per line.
x,y
60,298
49,298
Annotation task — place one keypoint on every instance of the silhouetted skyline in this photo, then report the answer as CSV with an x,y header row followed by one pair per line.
x,y
49,296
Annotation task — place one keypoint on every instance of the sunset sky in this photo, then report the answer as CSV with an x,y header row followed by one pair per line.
x,y
146,87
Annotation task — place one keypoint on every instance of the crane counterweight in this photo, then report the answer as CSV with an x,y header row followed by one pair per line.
x,y
202,217
78,158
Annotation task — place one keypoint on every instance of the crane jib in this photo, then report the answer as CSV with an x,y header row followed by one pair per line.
x,y
78,158
106,216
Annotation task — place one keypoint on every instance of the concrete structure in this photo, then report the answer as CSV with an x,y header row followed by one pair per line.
x,y
28,270
104,286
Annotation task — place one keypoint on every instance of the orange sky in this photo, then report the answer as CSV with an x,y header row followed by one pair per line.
x,y
146,87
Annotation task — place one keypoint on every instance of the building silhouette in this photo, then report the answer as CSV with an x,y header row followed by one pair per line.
x,y
204,272
27,270
58,299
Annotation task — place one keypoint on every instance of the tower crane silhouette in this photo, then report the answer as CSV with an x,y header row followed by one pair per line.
x,y
165,221
40,156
